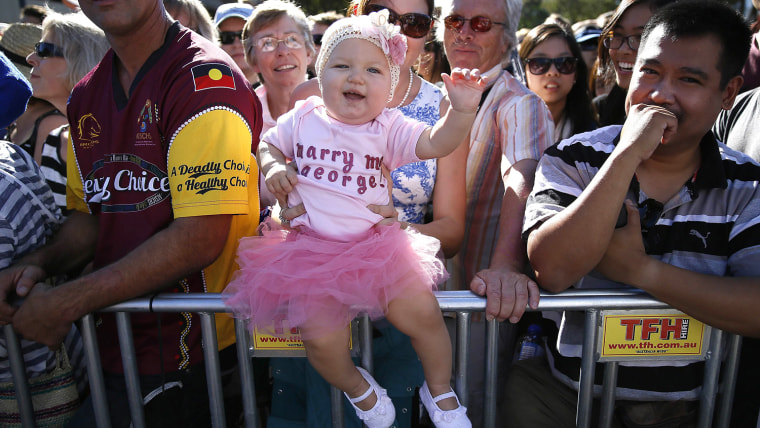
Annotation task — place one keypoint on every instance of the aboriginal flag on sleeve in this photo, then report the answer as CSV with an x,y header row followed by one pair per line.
x,y
209,76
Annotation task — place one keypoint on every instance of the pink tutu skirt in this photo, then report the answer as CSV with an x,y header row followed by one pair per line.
x,y
299,277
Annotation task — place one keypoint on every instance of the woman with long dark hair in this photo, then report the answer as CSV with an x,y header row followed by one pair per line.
x,y
556,72
618,47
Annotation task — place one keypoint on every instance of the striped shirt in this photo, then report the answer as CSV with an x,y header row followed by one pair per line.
x,y
711,226
512,124
28,214
53,167
28,217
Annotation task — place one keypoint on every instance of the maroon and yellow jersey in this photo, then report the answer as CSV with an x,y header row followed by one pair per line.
x,y
179,144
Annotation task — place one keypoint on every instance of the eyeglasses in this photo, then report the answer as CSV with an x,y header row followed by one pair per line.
x,y
616,42
317,39
269,44
415,25
46,50
564,64
228,37
480,24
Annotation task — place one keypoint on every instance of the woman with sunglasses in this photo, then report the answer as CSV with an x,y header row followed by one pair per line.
x,y
305,396
556,72
70,47
229,20
618,47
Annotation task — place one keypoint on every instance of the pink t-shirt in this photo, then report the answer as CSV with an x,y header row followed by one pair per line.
x,y
339,165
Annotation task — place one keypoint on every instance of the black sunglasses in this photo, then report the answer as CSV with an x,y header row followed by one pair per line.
x,y
480,24
317,39
46,50
416,25
228,37
564,64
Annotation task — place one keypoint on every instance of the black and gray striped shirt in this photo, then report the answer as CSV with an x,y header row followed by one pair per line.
x,y
711,226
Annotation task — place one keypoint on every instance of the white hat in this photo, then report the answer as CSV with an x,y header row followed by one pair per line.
x,y
232,10
374,28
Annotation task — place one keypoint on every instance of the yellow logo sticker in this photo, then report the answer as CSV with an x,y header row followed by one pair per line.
x,y
280,340
627,335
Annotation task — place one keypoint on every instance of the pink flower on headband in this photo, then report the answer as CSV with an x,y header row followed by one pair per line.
x,y
392,42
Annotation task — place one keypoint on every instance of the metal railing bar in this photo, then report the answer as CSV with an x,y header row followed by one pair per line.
x,y
213,370
131,373
607,406
461,302
731,370
710,383
18,371
586,379
492,372
462,357
97,384
365,339
449,301
245,365
336,404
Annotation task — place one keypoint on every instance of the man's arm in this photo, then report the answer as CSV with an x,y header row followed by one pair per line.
x,y
188,245
72,247
571,243
506,287
449,202
728,303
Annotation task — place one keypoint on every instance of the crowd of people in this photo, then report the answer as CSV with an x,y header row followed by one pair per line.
x,y
309,168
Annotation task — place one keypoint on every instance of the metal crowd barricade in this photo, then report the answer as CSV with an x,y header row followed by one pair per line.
x,y
463,303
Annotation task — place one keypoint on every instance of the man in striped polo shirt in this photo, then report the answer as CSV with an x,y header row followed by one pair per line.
x,y
692,233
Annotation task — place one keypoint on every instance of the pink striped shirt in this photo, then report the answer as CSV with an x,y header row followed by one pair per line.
x,y
513,124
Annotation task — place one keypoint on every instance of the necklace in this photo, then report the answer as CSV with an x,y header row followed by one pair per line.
x,y
408,88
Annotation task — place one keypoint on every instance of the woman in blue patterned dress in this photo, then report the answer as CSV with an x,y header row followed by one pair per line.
x,y
300,396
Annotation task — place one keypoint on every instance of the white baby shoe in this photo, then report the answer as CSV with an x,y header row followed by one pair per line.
x,y
456,418
382,414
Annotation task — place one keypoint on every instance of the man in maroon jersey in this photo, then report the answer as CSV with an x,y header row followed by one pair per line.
x,y
162,184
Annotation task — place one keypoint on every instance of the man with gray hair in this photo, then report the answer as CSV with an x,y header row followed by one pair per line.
x,y
511,131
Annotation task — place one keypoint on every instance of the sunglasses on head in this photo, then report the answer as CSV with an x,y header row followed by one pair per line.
x,y
228,37
480,24
415,25
45,50
564,64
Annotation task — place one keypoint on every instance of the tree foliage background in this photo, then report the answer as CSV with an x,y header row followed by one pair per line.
x,y
312,7
534,11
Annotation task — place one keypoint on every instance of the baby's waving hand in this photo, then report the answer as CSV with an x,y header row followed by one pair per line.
x,y
464,88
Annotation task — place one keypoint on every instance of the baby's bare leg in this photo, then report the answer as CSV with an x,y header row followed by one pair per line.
x,y
331,358
420,318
